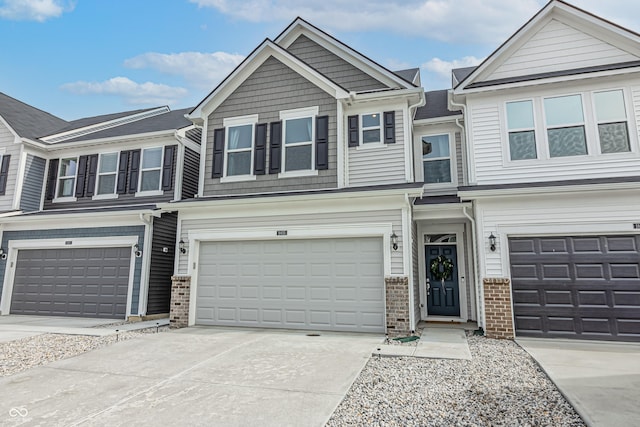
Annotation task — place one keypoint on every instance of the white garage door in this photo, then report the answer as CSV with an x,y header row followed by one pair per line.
x,y
317,284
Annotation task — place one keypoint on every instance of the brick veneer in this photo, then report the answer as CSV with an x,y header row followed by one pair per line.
x,y
180,293
397,295
497,306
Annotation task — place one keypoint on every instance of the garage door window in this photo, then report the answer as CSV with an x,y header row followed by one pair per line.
x,y
67,177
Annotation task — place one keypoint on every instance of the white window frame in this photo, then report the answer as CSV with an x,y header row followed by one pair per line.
x,y
114,194
534,129
362,144
566,125
72,197
159,191
234,122
598,123
299,113
452,161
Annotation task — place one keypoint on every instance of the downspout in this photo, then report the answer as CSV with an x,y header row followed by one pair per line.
x,y
476,272
146,260
471,176
409,132
408,237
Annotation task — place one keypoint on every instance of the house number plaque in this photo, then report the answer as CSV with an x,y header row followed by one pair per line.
x,y
281,232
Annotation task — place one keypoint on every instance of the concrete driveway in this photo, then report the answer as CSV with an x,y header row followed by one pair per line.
x,y
600,379
195,376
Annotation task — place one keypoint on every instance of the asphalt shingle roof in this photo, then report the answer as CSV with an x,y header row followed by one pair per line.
x,y
436,106
462,73
88,121
408,74
28,121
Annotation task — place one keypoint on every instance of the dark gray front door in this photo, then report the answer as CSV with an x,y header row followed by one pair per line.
x,y
585,287
443,298
91,282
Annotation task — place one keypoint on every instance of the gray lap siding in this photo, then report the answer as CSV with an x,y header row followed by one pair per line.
x,y
82,232
272,88
32,185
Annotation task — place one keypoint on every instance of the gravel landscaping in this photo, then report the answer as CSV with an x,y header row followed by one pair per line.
x,y
500,386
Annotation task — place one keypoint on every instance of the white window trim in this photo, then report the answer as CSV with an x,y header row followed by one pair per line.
x,y
535,131
597,123
452,162
299,113
157,192
234,122
362,144
114,194
71,198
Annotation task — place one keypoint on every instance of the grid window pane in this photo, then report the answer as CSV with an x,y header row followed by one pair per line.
x,y
563,110
152,158
108,162
569,141
239,163
298,130
614,138
298,158
610,106
239,137
107,184
520,115
150,180
371,135
439,146
522,145
436,171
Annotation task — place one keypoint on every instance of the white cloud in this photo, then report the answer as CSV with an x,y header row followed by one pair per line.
x,y
33,10
483,21
134,93
443,68
203,70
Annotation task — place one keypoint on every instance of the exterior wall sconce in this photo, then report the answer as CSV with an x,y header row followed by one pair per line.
x,y
394,241
492,242
138,252
182,246
3,254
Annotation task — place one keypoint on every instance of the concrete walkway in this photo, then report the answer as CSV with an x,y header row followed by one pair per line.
x,y
194,376
434,343
600,379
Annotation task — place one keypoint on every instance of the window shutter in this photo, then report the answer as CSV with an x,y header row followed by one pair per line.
x,y
260,157
167,167
51,179
322,142
81,178
275,149
92,170
390,127
218,153
134,171
353,131
123,164
4,173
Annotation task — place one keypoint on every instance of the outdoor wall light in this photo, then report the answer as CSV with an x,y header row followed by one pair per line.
x,y
394,241
492,242
3,254
138,252
182,246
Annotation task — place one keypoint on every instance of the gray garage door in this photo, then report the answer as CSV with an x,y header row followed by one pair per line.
x,y
91,282
585,287
319,284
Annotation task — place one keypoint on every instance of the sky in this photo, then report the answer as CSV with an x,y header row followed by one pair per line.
x,y
81,58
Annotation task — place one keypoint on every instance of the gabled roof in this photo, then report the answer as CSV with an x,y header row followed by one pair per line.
x,y
459,74
264,51
300,26
28,121
571,17
436,106
88,121
412,75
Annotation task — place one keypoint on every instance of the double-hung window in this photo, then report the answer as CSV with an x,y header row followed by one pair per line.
x,y
67,177
521,129
239,147
611,118
107,172
564,119
151,169
436,159
371,128
299,133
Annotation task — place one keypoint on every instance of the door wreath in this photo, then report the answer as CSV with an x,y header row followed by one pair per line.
x,y
441,269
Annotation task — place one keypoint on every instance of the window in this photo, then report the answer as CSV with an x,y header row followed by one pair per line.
x,y
107,172
371,128
239,149
436,159
565,126
521,128
151,169
611,118
67,177
298,135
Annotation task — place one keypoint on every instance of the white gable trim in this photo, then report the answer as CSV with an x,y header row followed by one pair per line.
x,y
265,51
16,137
301,27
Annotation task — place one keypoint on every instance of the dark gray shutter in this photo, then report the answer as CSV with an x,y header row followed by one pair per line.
x,y
390,127
123,165
354,131
322,142
52,178
4,173
92,172
218,153
260,156
81,178
167,167
275,153
134,171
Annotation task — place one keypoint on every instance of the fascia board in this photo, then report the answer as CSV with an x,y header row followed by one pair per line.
x,y
521,191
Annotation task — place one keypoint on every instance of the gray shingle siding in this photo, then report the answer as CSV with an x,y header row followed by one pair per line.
x,y
332,66
272,88
32,186
83,232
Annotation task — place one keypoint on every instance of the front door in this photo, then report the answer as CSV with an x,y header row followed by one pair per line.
x,y
443,290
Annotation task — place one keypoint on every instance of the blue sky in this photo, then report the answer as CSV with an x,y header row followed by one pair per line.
x,y
78,58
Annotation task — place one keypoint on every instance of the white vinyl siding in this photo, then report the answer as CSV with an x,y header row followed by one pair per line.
x,y
558,46
7,142
382,164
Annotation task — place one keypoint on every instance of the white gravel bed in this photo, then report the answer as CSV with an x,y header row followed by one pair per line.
x,y
20,355
500,386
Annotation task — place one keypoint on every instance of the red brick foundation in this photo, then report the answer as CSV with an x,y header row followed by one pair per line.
x,y
397,295
497,306
180,295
